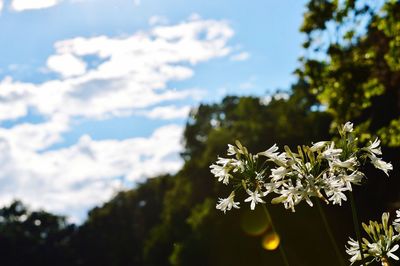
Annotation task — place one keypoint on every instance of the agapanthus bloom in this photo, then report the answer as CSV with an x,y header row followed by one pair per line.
x,y
331,153
246,171
318,146
374,148
380,164
222,172
254,198
271,152
326,170
381,245
348,127
228,203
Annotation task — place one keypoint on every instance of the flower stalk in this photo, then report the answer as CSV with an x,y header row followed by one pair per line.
x,y
356,226
281,249
330,234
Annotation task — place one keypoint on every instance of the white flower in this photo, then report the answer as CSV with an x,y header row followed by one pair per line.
x,y
396,222
390,252
353,250
278,173
318,146
335,192
348,164
255,197
232,150
223,161
348,127
222,172
288,196
331,153
354,178
380,164
271,152
238,165
301,193
374,148
272,187
227,204
279,159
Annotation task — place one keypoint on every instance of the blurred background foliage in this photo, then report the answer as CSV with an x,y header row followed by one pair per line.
x,y
350,71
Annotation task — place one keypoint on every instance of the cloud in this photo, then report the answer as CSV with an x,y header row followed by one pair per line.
x,y
71,178
133,74
66,64
22,5
158,20
132,77
168,112
27,137
240,57
1,5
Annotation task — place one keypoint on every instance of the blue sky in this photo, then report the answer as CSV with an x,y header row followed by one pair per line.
x,y
94,94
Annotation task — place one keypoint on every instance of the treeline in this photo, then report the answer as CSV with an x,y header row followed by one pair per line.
x,y
171,220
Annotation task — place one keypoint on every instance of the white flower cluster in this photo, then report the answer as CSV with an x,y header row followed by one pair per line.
x,y
242,169
325,170
382,242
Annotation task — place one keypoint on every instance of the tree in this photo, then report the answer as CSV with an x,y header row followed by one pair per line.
x,y
34,238
115,233
354,71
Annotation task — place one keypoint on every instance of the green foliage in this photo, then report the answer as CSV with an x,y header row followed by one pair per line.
x,y
115,233
358,74
38,237
318,13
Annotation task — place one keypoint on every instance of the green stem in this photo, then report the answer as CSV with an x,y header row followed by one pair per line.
x,y
356,225
281,250
330,234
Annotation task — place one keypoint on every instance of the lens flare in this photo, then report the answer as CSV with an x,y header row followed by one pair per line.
x,y
255,222
271,241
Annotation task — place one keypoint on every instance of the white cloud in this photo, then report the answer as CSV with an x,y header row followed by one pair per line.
x,y
158,20
168,112
137,2
240,57
71,178
35,137
67,65
22,5
1,5
134,72
133,75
